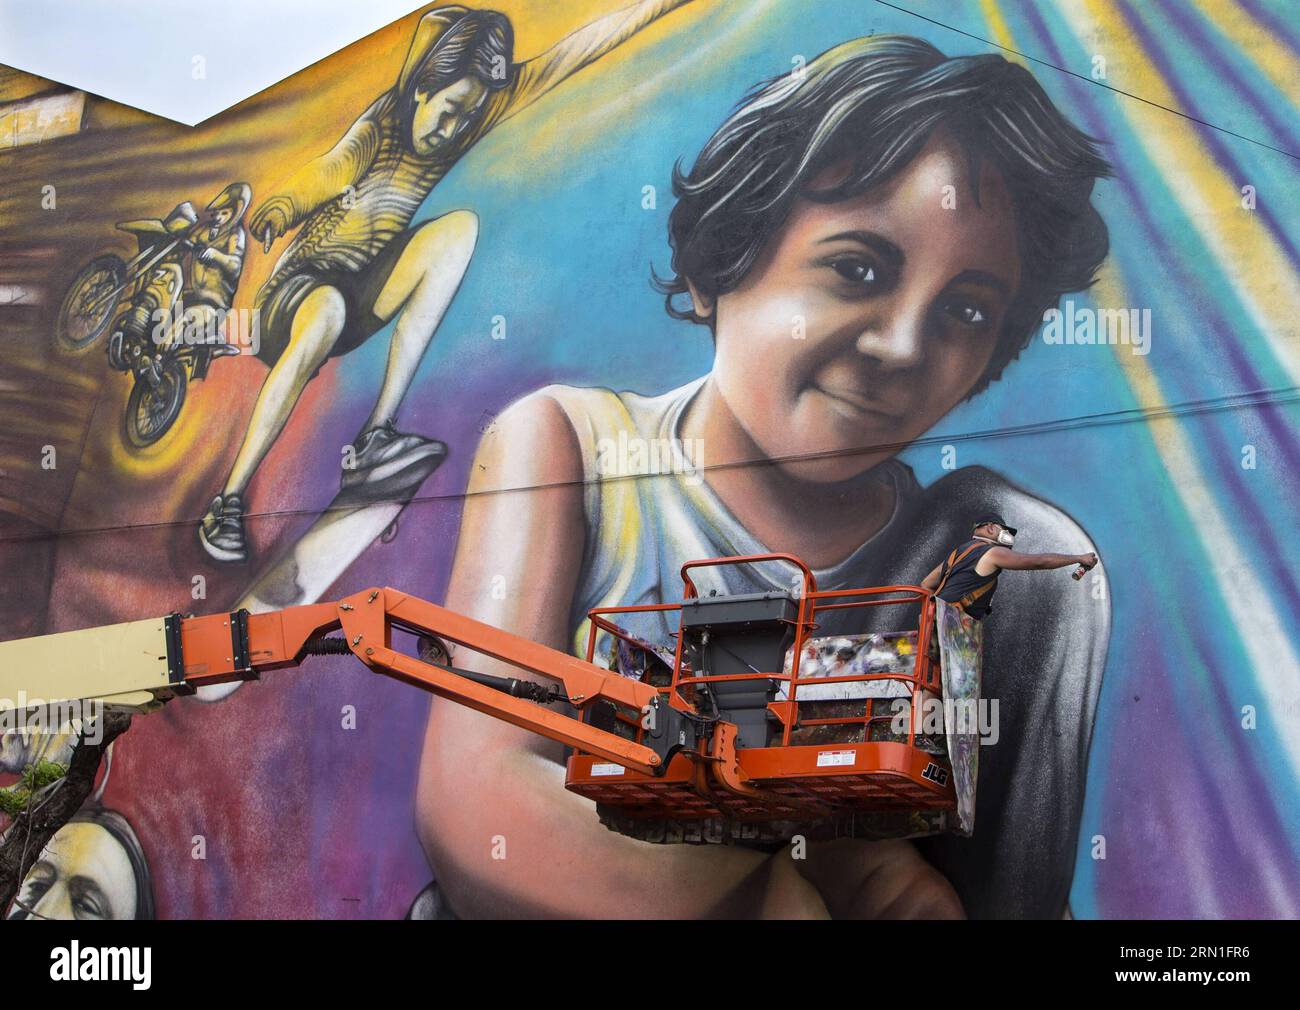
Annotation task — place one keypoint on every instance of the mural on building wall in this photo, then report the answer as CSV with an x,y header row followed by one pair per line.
x,y
823,278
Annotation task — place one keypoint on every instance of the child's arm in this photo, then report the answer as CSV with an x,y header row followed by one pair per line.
x,y
504,836
320,180
579,49
888,879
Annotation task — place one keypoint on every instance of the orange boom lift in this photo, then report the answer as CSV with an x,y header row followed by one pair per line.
x,y
713,739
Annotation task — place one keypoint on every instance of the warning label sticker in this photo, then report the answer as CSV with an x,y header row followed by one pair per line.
x,y
827,758
607,769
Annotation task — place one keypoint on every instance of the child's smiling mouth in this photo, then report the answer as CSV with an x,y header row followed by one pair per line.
x,y
856,406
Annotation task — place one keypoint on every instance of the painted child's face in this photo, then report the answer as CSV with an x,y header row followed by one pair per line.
x,y
863,322
439,116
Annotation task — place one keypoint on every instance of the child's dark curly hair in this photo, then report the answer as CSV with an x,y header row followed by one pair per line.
x,y
871,104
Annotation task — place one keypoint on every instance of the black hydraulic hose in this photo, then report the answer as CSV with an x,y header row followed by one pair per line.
x,y
326,647
541,693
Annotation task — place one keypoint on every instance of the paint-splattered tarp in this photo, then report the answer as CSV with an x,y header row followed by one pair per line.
x,y
888,698
961,650
957,645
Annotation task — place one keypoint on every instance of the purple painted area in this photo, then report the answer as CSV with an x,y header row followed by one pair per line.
x,y
1160,783
1281,576
362,824
1237,761
1155,794
1279,28
1212,138
362,782
1188,803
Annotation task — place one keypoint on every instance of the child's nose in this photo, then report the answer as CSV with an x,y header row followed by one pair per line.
x,y
894,341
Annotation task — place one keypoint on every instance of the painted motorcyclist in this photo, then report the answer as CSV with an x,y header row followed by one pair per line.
x,y
188,306
215,268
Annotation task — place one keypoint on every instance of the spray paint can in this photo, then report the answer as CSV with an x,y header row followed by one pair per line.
x,y
1078,573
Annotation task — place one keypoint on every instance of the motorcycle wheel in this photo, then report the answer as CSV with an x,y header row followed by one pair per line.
x,y
150,410
87,307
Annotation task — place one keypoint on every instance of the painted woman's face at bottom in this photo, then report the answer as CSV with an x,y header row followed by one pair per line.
x,y
863,322
84,873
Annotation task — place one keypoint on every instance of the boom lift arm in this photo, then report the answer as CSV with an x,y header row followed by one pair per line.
x,y
142,664
716,740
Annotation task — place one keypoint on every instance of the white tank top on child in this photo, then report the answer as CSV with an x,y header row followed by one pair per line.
x,y
649,510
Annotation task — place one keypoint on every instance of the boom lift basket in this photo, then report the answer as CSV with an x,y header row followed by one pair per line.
x,y
797,757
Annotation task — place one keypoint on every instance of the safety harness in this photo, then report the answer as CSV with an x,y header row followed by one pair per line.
x,y
954,559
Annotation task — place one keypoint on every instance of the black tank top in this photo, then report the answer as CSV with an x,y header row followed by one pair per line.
x,y
964,580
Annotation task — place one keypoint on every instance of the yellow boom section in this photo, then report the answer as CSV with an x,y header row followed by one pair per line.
x,y
122,665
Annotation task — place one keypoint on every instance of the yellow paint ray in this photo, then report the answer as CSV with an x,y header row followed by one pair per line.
x,y
1257,267
577,117
1274,662
998,28
1251,38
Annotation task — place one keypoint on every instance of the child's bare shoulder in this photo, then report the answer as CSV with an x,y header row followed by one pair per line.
x,y
945,511
543,408
532,441
965,493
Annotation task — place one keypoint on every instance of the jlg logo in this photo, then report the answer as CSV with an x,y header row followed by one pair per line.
x,y
935,774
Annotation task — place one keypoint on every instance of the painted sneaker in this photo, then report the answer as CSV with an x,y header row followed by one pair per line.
x,y
389,464
222,530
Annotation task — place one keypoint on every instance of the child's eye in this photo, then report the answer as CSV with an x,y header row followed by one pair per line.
x,y
966,313
861,273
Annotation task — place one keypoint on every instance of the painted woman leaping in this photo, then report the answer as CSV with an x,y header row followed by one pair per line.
x,y
356,264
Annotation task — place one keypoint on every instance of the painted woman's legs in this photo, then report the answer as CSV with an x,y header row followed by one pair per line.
x,y
421,287
384,464
389,464
315,328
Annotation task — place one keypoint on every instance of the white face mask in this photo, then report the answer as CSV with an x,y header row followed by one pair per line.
x,y
1006,538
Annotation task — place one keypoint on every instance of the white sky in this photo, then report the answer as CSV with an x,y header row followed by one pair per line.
x,y
142,52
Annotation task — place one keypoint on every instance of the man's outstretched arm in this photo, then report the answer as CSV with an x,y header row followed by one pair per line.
x,y
1008,559
589,43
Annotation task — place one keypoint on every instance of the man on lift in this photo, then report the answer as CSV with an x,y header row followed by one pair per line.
x,y
968,577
